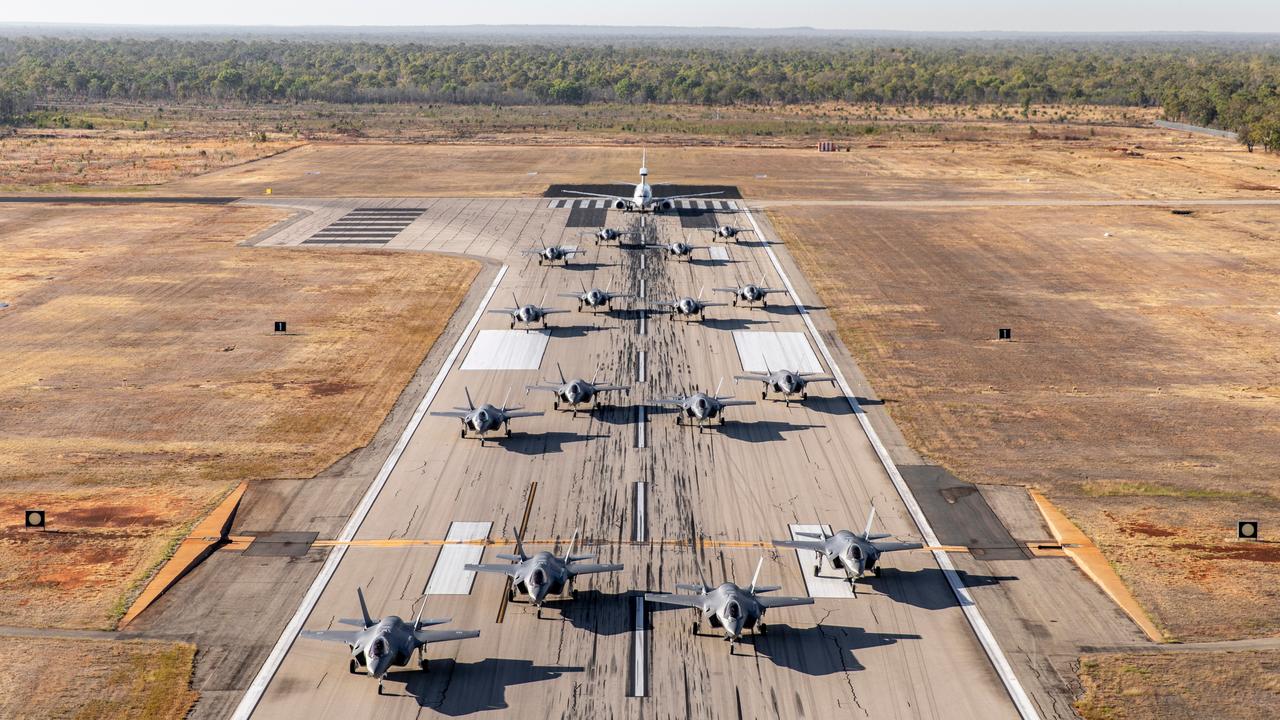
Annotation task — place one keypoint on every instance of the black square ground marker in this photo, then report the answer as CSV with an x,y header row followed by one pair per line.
x,y
280,325
34,518
1247,529
1006,333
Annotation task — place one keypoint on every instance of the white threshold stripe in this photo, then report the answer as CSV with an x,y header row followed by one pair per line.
x,y
639,689
968,605
258,687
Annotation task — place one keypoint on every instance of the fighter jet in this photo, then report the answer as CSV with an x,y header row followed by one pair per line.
x,y
728,232
610,235
595,298
486,418
688,308
786,383
382,644
854,554
678,249
751,293
575,392
729,607
527,315
702,409
543,574
642,199
552,253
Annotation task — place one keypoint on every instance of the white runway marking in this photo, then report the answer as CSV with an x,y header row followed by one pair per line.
x,y
507,350
780,350
718,252
639,688
641,262
967,604
640,426
641,294
448,576
831,584
640,367
268,670
640,519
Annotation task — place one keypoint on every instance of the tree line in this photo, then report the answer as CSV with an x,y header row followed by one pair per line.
x,y
1230,86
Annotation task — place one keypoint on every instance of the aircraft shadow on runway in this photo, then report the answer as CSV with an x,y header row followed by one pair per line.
x,y
789,308
814,403
594,611
926,588
576,331
759,431
711,262
587,266
732,323
821,650
542,443
454,688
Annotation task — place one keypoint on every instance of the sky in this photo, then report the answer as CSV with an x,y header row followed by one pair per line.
x,y
921,15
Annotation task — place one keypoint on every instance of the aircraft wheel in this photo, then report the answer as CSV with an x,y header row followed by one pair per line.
x,y
876,571
380,688
422,664
555,404
816,570
697,627
511,595
462,434
764,394
539,612
804,396
762,628
512,326
353,667
508,432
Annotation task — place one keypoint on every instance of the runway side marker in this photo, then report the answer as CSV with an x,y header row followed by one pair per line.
x,y
253,695
999,662
448,576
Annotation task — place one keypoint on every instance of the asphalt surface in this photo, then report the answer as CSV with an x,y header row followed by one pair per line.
x,y
708,502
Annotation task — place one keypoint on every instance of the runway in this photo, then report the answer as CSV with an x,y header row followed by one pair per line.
x,y
665,501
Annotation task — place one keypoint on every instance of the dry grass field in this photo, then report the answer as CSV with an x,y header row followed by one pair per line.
x,y
1059,162
1181,686
1141,392
140,357
94,679
68,161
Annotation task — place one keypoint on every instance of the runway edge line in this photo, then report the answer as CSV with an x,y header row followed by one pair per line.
x,y
268,670
968,605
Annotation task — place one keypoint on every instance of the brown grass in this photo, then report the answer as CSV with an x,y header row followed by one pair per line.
x,y
140,356
68,161
95,679
1180,686
1140,392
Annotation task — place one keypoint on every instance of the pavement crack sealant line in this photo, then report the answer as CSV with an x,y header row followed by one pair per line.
x,y
276,657
1026,708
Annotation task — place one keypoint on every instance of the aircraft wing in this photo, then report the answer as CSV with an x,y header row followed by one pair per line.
x,y
501,311
773,602
522,413
711,304
575,296
733,403
894,546
690,195
815,545
450,413
816,377
589,568
757,378
766,291
669,401
342,636
611,388
498,568
434,636
543,388
728,290
597,195
693,601
552,311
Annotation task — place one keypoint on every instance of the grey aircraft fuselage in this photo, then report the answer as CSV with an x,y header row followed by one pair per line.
x,y
728,607
850,552
702,408
543,574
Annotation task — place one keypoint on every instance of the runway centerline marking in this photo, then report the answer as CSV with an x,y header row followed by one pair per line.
x,y
640,427
968,605
638,517
640,367
253,695
638,686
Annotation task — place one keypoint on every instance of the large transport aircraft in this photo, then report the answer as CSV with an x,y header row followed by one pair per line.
x,y
643,200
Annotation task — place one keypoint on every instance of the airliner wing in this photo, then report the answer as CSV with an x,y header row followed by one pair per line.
x,y
690,195
596,195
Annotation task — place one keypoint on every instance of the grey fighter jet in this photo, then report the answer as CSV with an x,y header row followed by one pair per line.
x,y
687,308
527,315
729,232
552,253
729,607
382,644
543,574
702,409
678,249
484,419
611,235
751,293
576,392
786,383
854,554
595,298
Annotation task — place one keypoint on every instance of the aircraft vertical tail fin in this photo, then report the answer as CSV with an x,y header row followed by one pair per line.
x,y
756,577
467,391
364,609
561,371
866,533
421,608
506,398
569,555
520,546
